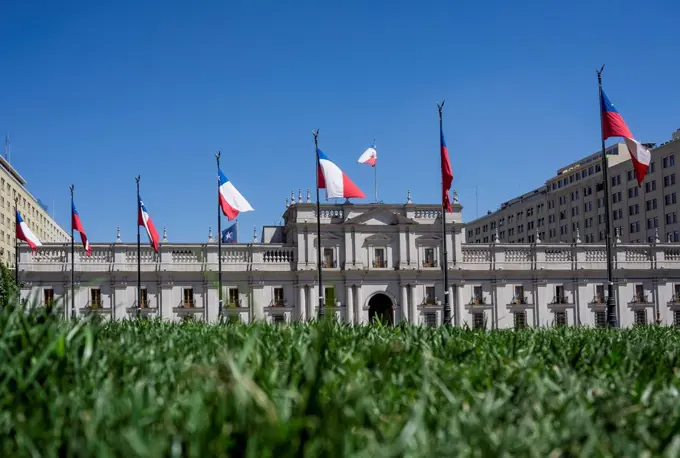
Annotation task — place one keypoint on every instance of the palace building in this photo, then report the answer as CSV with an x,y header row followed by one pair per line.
x,y
379,260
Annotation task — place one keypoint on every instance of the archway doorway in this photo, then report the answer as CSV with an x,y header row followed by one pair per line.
x,y
380,308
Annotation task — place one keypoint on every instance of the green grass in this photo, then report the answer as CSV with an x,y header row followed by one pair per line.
x,y
150,388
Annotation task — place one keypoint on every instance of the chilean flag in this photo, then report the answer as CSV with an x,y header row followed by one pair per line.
x,y
78,226
447,173
336,183
24,233
613,125
231,201
145,220
369,156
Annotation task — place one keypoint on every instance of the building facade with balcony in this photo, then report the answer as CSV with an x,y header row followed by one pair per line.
x,y
379,260
573,200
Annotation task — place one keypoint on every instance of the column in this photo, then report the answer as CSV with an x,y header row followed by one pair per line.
x,y
459,305
359,306
301,305
452,304
414,306
404,303
349,304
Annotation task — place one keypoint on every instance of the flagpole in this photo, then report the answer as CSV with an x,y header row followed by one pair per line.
x,y
445,263
16,247
73,253
375,175
318,225
139,255
219,237
611,303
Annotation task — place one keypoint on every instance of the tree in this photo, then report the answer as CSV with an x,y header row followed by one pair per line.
x,y
8,287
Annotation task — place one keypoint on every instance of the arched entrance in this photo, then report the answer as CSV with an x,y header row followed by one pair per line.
x,y
380,308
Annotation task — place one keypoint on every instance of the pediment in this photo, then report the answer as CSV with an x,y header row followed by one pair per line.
x,y
380,217
329,236
378,238
428,239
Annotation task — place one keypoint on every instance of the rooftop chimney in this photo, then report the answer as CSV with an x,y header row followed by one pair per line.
x,y
676,134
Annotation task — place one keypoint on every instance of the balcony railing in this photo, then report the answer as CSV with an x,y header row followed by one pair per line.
x,y
519,300
332,264
559,300
278,303
639,299
675,300
431,301
478,300
598,300
380,264
430,263
187,303
232,304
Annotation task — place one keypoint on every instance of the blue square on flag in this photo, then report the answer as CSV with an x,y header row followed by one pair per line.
x,y
230,235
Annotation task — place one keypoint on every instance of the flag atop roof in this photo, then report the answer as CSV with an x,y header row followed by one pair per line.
x,y
24,233
613,125
369,156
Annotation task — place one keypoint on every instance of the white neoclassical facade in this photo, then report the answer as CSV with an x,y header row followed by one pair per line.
x,y
378,260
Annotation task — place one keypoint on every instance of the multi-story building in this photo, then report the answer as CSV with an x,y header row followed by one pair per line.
x,y
570,205
13,186
378,260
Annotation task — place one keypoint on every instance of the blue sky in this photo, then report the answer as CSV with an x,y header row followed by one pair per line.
x,y
94,93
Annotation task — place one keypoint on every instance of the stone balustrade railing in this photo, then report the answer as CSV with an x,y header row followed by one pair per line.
x,y
568,256
177,257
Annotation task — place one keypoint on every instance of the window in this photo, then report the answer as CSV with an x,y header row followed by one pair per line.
x,y
379,258
429,295
95,298
478,320
668,161
671,218
519,295
144,303
631,175
650,204
652,222
559,295
328,258
329,296
632,192
278,297
652,166
520,319
635,227
48,297
588,190
188,297
616,180
431,320
600,319
574,211
599,294
669,180
561,318
640,317
616,197
676,317
670,198
650,186
478,295
639,294
279,319
233,298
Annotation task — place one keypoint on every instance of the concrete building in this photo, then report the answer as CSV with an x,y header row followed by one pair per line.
x,y
13,186
573,201
379,260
